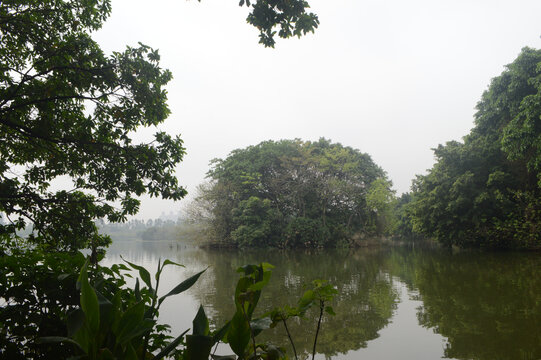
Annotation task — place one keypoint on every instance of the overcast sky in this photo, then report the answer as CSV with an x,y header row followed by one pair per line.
x,y
392,78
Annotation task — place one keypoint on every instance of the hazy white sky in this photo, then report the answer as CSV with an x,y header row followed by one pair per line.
x,y
392,78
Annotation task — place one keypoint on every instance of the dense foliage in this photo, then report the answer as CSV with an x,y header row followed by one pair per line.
x,y
67,110
292,193
486,190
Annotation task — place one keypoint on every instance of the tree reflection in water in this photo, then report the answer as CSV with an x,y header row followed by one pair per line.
x,y
364,305
487,305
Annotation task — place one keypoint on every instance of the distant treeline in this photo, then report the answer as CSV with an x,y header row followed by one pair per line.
x,y
157,229
482,192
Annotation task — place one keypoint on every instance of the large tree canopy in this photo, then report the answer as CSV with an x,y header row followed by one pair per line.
x,y
67,110
295,193
486,191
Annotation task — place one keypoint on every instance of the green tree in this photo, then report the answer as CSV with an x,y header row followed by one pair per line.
x,y
485,190
67,110
292,193
381,200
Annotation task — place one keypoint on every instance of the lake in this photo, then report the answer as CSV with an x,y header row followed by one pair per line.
x,y
393,303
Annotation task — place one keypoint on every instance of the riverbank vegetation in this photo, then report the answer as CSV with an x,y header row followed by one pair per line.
x,y
486,190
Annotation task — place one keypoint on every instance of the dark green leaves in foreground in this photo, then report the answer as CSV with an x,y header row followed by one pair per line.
x,y
124,325
112,321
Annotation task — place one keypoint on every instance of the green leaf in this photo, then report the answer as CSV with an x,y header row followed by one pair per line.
x,y
198,347
106,354
201,322
238,335
58,339
307,300
132,318
131,354
220,334
62,277
89,301
169,262
329,310
74,321
143,273
273,353
183,286
137,291
140,329
172,345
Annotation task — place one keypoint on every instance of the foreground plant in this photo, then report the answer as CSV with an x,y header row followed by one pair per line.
x,y
124,326
245,327
320,294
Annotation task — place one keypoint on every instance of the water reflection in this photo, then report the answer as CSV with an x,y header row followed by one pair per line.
x,y
486,306
364,305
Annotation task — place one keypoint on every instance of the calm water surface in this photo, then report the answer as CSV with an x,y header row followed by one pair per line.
x,y
392,304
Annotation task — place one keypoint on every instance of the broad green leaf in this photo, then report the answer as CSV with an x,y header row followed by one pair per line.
x,y
116,311
89,301
172,345
131,319
74,321
56,339
106,354
106,312
247,269
137,291
143,273
307,300
84,338
273,353
238,335
140,329
62,277
220,334
329,310
266,266
201,322
131,354
183,286
198,347
169,262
